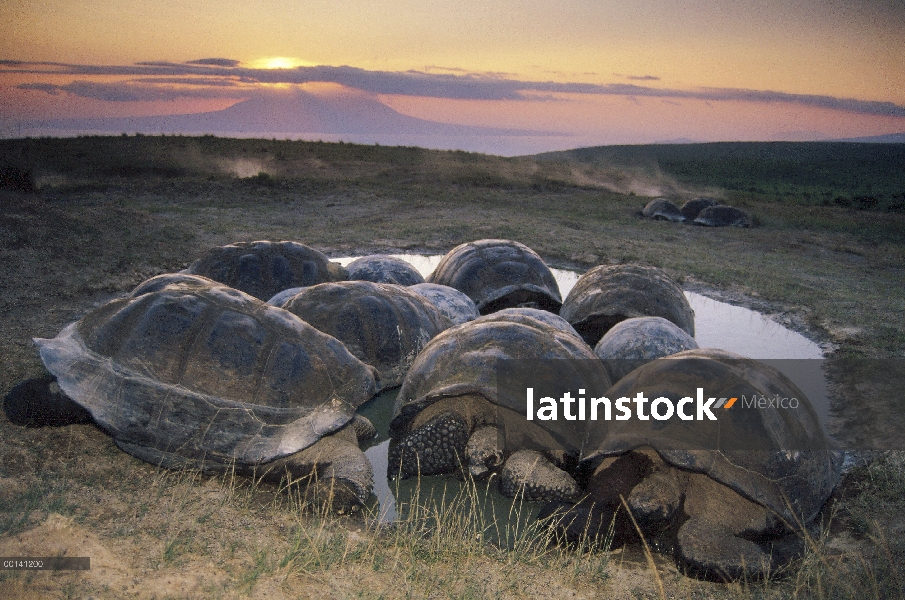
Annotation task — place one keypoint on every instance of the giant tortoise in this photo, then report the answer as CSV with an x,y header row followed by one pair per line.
x,y
263,268
200,375
498,274
633,342
661,209
383,324
722,216
729,493
606,295
691,209
457,307
382,268
452,412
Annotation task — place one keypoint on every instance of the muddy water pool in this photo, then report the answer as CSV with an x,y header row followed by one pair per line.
x,y
717,325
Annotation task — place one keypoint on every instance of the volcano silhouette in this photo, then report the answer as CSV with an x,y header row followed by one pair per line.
x,y
298,111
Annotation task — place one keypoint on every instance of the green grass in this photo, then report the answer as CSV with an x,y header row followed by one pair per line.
x,y
836,174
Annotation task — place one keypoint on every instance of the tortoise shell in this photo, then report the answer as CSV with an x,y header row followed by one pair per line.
x,y
606,295
466,360
723,216
498,274
634,342
457,307
381,268
691,209
384,325
158,282
264,268
661,209
775,456
206,374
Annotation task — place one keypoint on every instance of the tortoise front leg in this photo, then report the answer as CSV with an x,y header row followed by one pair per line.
x,y
333,472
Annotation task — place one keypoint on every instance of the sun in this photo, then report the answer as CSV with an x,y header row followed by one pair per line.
x,y
279,62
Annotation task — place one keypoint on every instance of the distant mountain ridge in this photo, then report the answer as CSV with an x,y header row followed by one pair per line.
x,y
889,138
295,112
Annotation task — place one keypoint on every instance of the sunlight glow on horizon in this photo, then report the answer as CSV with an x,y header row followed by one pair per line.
x,y
279,62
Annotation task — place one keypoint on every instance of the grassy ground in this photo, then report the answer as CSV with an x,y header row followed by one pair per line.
x,y
861,176
110,212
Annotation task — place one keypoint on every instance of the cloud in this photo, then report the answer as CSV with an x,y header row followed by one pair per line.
x,y
200,81
640,77
453,85
49,88
870,107
216,62
128,91
167,65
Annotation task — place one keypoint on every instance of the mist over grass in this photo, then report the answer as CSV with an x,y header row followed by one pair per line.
x,y
857,175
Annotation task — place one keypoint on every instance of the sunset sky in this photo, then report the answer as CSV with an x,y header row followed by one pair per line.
x,y
563,74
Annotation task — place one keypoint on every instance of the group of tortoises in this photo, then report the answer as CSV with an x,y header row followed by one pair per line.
x,y
258,355
700,211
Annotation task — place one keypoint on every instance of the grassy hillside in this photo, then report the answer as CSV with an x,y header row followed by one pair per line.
x,y
863,176
115,159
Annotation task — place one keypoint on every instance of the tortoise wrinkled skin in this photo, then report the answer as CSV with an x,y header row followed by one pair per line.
x,y
730,495
263,268
529,475
201,375
451,414
606,295
498,274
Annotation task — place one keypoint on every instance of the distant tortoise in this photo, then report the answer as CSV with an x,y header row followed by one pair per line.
x,y
661,209
281,297
457,307
158,282
729,493
606,295
264,268
692,208
723,216
382,324
452,413
201,375
498,274
634,342
381,268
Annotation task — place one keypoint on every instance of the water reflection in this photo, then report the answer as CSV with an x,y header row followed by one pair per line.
x,y
717,325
